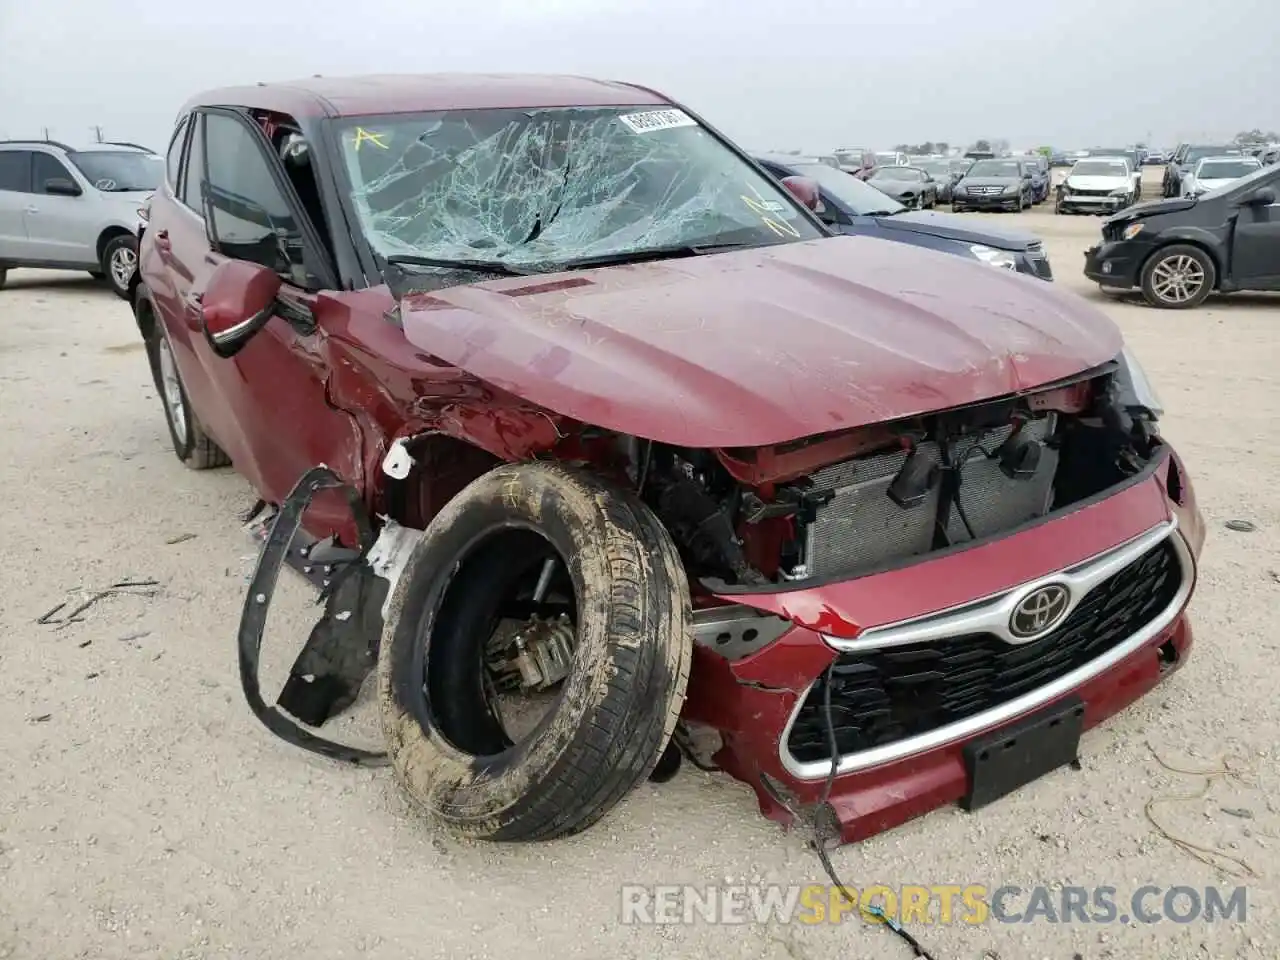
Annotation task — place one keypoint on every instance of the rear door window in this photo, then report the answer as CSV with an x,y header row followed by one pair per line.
x,y
15,171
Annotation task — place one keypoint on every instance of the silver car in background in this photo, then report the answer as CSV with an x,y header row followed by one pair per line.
x,y
1210,173
64,208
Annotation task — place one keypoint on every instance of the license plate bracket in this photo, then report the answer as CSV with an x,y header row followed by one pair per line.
x,y
1000,762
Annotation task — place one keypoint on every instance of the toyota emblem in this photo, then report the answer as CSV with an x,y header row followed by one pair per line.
x,y
1039,612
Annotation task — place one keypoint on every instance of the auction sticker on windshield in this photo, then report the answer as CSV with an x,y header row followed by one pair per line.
x,y
653,120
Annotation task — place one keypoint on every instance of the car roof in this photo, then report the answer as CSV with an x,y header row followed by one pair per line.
x,y
411,93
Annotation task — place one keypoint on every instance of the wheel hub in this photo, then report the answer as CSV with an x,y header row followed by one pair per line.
x,y
1177,279
123,263
535,658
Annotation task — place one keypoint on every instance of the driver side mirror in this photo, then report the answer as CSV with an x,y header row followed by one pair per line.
x,y
807,191
238,301
62,187
1262,197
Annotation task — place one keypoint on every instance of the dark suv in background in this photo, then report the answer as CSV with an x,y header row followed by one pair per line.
x,y
851,206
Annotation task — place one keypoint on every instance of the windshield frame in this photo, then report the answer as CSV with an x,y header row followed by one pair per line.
x,y
330,130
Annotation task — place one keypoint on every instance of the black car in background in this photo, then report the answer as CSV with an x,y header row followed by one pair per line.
x,y
994,184
940,168
851,206
1185,159
910,186
1177,251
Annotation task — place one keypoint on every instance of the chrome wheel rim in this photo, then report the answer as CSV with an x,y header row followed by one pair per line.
x,y
171,388
1177,279
123,262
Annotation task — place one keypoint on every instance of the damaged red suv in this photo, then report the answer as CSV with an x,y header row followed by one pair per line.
x,y
604,452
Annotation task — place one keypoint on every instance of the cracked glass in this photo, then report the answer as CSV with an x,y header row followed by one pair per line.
x,y
536,190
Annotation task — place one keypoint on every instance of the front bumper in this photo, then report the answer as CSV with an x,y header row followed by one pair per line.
x,y
1115,263
987,201
1092,204
754,700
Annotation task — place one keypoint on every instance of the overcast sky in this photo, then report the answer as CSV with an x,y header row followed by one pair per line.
x,y
772,74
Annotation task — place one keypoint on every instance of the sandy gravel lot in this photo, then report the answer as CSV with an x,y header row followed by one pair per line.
x,y
145,813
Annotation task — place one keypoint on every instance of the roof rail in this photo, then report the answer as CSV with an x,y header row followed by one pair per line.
x,y
126,143
47,143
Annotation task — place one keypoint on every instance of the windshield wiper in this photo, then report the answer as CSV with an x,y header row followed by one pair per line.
x,y
474,266
671,252
885,213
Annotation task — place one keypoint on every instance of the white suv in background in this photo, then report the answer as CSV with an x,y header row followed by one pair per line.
x,y
74,209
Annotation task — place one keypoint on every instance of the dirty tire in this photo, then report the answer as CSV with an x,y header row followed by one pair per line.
x,y
619,704
191,444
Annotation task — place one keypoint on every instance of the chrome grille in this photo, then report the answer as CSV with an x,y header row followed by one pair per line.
x,y
861,528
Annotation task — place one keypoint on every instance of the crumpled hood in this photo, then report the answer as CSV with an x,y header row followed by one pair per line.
x,y
766,345
1078,182
955,227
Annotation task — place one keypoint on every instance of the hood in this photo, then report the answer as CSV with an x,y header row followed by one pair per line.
x,y
896,188
1152,208
1120,182
955,227
990,181
1212,184
762,346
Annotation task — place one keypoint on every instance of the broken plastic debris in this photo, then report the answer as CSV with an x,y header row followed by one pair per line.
x,y
397,463
344,615
1241,526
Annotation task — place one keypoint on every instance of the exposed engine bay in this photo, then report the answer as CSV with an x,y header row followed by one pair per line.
x,y
797,515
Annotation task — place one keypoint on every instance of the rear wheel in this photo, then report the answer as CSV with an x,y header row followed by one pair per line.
x,y
545,582
120,262
1178,277
191,444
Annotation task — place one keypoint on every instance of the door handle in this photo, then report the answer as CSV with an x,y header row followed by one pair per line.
x,y
33,209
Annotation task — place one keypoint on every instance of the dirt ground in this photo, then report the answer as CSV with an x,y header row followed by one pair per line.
x,y
145,813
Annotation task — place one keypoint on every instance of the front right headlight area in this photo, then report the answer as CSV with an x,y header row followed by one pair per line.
x,y
997,258
1135,387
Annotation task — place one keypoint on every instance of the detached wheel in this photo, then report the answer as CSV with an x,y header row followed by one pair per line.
x,y
536,583
119,263
1178,277
191,444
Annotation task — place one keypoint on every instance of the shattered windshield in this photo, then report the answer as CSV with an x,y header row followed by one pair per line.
x,y
539,189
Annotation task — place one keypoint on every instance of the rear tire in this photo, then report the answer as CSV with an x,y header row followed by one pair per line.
x,y
619,703
120,263
191,444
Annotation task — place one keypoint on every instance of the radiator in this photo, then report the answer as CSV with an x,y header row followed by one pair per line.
x,y
861,528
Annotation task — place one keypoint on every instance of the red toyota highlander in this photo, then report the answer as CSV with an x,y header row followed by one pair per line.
x,y
603,451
